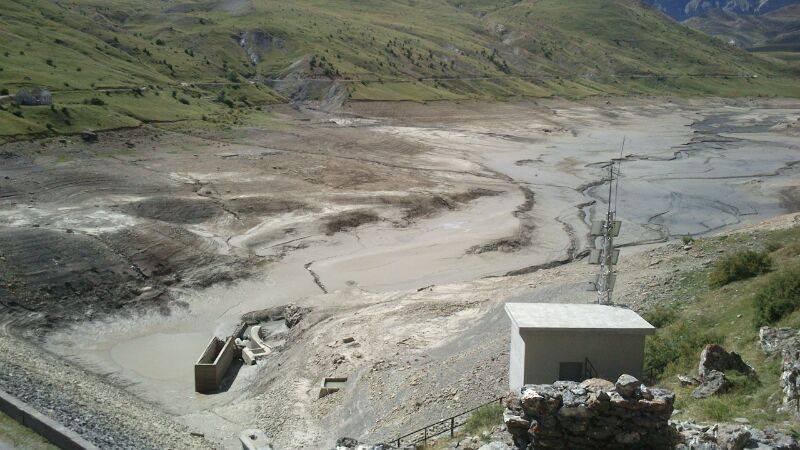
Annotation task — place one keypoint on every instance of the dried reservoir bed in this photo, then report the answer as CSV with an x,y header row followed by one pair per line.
x,y
125,256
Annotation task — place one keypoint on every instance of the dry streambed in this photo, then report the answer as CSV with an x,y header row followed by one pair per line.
x,y
183,233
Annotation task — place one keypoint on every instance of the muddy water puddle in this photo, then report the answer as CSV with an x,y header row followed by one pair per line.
x,y
160,356
156,354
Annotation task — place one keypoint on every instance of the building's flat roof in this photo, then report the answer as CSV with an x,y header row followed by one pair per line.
x,y
577,317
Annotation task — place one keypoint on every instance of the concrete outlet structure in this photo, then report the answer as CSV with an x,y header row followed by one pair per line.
x,y
331,384
255,348
213,364
553,341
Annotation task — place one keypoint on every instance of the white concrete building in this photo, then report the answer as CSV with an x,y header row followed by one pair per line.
x,y
555,341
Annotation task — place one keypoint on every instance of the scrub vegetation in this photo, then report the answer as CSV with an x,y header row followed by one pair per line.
x,y
725,313
484,418
739,266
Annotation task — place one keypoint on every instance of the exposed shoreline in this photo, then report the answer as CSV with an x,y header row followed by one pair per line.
x,y
231,227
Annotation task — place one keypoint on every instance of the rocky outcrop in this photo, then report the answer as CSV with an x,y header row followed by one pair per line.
x,y
592,414
683,9
256,43
715,358
291,314
347,443
790,380
294,314
785,341
714,361
775,340
714,383
495,439
730,437
686,380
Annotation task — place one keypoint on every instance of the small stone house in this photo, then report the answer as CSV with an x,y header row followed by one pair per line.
x,y
574,342
35,97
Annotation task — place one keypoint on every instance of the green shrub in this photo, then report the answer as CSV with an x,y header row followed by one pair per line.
x,y
739,266
779,297
661,316
788,251
4,91
678,344
95,101
687,239
773,244
484,418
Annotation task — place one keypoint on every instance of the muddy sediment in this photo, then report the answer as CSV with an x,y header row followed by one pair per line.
x,y
380,225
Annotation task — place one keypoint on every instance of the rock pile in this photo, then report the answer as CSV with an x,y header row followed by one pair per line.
x,y
495,439
716,358
730,437
592,414
714,361
775,340
785,341
621,415
291,314
347,443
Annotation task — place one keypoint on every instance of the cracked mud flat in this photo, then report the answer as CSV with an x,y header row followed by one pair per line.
x,y
129,260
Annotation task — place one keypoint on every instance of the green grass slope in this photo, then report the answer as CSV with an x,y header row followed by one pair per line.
x,y
205,57
699,311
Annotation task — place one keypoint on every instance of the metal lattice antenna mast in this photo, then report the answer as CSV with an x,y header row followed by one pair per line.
x,y
606,256
619,174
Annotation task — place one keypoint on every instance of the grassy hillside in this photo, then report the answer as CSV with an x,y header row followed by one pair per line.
x,y
724,305
161,60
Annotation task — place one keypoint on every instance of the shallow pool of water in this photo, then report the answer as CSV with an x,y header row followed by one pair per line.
x,y
161,356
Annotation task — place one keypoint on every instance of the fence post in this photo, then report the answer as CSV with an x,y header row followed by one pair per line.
x,y
452,425
425,439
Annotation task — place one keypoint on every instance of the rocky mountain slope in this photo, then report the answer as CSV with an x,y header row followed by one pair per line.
x,y
684,9
774,31
764,26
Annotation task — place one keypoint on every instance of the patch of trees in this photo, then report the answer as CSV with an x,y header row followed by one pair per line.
x,y
323,66
94,101
498,62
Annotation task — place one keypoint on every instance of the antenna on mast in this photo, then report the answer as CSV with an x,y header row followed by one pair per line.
x,y
606,255
619,174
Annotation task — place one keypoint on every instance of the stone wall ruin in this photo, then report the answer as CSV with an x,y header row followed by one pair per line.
x,y
593,414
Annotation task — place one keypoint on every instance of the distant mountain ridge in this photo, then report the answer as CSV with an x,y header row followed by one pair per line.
x,y
685,9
